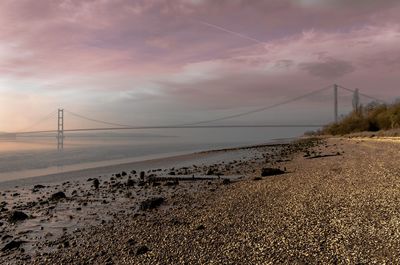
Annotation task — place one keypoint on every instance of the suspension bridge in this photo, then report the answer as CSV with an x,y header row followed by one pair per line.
x,y
112,126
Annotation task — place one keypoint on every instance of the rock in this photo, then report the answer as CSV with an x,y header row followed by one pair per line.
x,y
17,216
58,196
6,237
14,244
142,175
226,181
123,173
133,172
118,175
257,178
172,173
142,250
268,171
96,183
130,183
37,187
131,242
200,227
210,172
151,203
66,244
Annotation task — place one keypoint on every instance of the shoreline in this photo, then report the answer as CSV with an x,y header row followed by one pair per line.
x,y
143,163
336,202
120,192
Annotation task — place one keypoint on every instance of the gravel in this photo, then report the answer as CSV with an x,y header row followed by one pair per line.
x,y
335,209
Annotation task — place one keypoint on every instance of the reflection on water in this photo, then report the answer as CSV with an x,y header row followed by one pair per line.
x,y
83,150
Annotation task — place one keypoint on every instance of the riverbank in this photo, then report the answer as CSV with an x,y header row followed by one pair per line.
x,y
54,206
336,203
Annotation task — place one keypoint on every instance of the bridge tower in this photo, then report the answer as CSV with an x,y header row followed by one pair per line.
x,y
60,129
356,101
335,94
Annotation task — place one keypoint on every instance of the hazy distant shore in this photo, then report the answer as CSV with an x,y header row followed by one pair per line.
x,y
337,202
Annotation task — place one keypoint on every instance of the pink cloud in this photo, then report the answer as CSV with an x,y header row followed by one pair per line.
x,y
161,49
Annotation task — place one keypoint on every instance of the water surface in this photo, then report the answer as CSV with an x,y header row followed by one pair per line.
x,y
30,156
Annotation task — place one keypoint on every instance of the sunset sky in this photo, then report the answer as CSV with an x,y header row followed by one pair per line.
x,y
149,62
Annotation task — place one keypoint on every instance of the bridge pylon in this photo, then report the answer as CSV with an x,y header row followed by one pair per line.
x,y
335,107
60,129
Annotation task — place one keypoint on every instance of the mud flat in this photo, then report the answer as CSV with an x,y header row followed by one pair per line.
x,y
331,201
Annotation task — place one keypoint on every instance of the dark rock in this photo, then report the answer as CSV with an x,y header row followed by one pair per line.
x,y
118,175
58,196
257,178
142,175
14,244
66,244
131,241
123,173
151,203
176,221
172,173
268,171
17,216
200,227
142,250
226,181
37,187
43,202
96,183
210,172
133,171
6,237
130,182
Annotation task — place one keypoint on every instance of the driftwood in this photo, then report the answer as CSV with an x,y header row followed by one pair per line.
x,y
158,179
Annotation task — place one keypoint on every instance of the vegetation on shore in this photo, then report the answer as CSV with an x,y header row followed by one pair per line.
x,y
371,118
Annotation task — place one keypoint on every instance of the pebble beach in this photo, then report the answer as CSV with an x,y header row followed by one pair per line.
x,y
313,201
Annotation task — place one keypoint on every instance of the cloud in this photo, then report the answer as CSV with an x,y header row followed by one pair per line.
x,y
120,51
329,68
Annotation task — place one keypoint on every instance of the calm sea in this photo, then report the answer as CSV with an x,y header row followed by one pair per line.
x,y
38,155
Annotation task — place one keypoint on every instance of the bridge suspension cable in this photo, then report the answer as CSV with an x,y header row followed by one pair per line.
x,y
48,116
362,94
259,109
198,124
95,120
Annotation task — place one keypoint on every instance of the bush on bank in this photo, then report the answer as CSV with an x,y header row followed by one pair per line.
x,y
373,117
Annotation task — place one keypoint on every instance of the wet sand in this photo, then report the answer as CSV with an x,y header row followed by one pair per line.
x,y
336,203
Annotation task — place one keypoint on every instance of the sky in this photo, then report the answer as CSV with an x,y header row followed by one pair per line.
x,y
161,62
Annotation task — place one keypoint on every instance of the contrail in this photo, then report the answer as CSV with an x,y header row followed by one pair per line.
x,y
231,32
